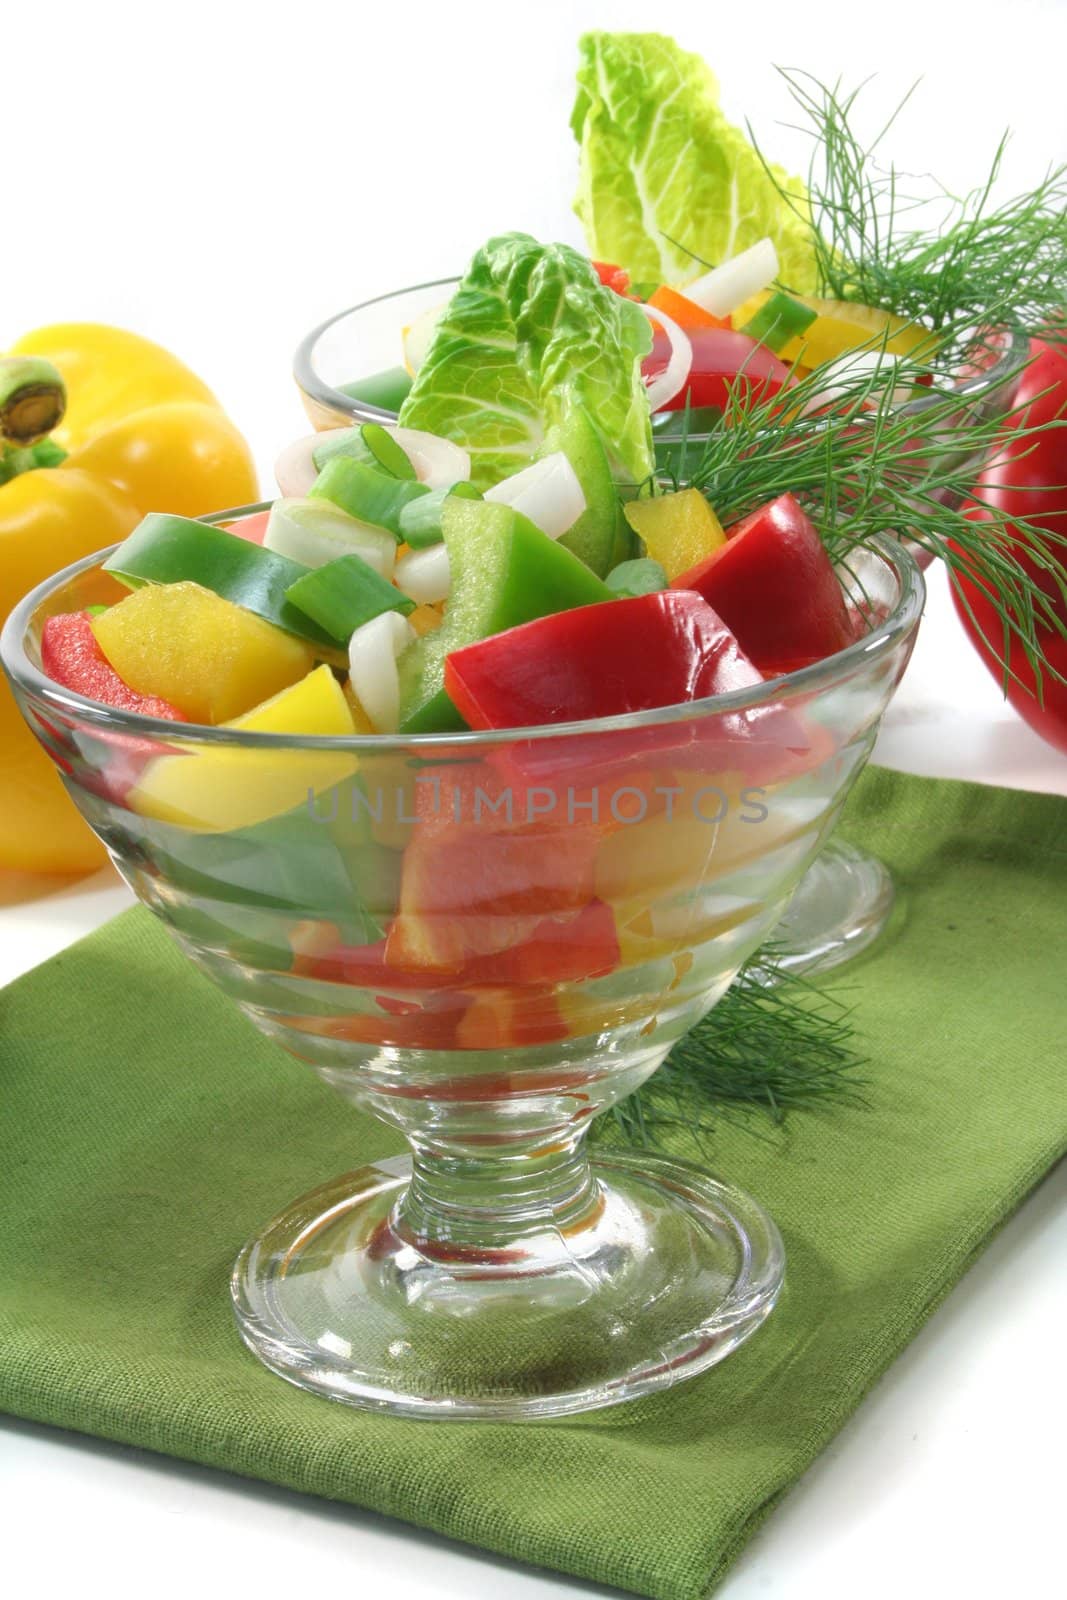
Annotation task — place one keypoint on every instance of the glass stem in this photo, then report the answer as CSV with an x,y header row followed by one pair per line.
x,y
486,1205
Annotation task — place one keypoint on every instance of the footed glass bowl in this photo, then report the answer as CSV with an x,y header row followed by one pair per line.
x,y
485,940
844,903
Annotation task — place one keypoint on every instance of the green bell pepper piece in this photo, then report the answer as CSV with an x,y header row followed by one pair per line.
x,y
778,320
420,520
504,572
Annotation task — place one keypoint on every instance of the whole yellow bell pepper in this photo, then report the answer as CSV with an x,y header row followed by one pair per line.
x,y
130,429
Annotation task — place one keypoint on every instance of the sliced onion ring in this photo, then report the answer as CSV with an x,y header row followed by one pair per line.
x,y
547,492
438,462
294,470
666,384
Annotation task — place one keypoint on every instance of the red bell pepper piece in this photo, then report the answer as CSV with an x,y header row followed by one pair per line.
x,y
612,277
725,364
1028,479
71,656
499,1019
253,528
774,585
598,661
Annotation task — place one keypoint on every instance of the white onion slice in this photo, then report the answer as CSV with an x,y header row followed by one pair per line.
x,y
438,462
666,384
547,492
372,653
424,575
730,284
294,470
316,531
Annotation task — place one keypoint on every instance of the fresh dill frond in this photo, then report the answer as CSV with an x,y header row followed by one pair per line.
x,y
908,246
771,1048
865,465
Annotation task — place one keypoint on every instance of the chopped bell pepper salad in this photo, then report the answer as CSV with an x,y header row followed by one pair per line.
x,y
516,565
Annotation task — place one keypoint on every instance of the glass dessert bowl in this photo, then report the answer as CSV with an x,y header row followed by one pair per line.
x,y
485,940
347,371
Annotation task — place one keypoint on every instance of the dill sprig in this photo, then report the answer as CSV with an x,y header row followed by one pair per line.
x,y
771,1048
908,245
865,465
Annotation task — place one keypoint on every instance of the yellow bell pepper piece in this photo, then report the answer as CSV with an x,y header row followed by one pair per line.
x,y
216,790
841,326
207,656
678,530
145,434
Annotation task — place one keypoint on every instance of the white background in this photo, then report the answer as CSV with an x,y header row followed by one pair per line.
x,y
222,176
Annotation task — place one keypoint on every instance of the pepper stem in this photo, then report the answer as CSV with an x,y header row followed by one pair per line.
x,y
33,398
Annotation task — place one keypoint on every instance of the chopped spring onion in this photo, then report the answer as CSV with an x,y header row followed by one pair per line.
x,y
344,595
371,443
438,462
365,492
420,520
386,390
666,384
729,285
632,578
778,320
547,492
372,654
314,532
425,575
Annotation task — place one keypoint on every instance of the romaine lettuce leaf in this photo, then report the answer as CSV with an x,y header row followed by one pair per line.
x,y
529,332
660,162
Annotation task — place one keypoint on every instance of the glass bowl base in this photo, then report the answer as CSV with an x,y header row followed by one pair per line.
x,y
670,1271
839,908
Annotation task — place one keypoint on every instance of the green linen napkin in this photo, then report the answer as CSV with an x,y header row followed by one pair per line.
x,y
147,1131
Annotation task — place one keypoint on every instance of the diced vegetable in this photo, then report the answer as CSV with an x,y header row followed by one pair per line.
x,y
345,594
663,386
315,532
504,571
372,655
369,443
420,520
425,575
71,656
779,320
840,326
724,364
664,649
387,390
773,583
164,549
189,646
547,492
365,493
632,578
684,311
219,788
592,538
439,463
730,284
678,530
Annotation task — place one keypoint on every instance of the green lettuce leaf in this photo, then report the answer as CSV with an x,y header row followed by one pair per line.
x,y
660,162
529,332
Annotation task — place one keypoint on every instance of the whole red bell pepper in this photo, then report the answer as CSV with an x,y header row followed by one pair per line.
x,y
1027,479
775,587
